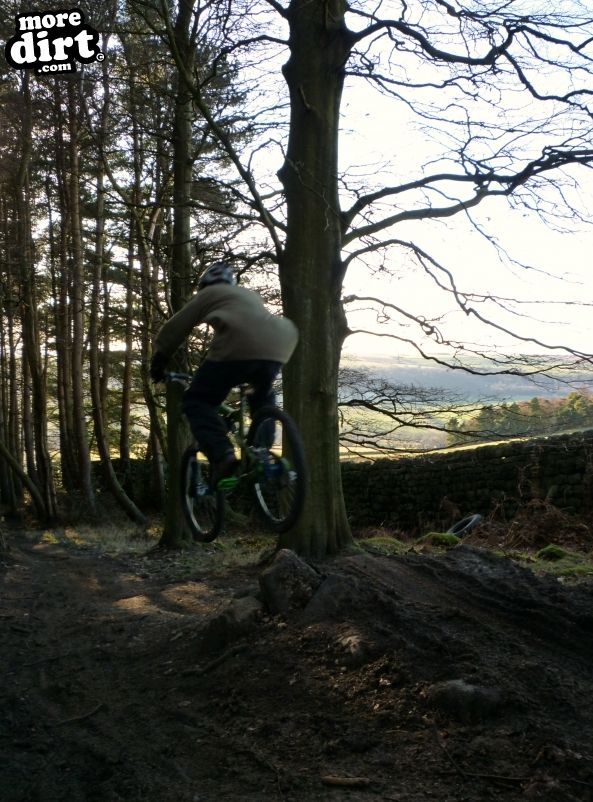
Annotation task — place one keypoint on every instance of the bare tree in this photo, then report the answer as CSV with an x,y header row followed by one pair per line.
x,y
462,67
381,418
500,89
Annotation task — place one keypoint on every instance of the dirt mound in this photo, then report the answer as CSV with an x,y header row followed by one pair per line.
x,y
418,677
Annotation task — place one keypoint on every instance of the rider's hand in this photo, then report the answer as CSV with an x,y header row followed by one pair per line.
x,y
158,363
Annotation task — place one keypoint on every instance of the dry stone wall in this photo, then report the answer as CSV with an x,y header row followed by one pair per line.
x,y
417,494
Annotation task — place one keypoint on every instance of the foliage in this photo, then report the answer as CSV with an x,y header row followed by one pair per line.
x,y
89,200
539,416
442,539
552,553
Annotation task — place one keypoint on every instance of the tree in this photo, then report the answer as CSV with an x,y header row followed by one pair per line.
x,y
181,267
380,418
504,86
535,417
469,56
98,379
576,410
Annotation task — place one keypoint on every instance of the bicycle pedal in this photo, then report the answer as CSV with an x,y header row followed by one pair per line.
x,y
230,483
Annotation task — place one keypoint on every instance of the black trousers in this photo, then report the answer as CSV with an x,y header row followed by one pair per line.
x,y
210,386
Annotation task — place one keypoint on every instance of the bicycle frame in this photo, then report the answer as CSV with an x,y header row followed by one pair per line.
x,y
236,414
232,414
278,481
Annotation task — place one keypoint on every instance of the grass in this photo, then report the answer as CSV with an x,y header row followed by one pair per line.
x,y
441,540
553,560
563,563
382,544
567,565
240,548
113,539
244,545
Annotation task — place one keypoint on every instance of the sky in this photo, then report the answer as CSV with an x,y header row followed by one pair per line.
x,y
380,134
382,144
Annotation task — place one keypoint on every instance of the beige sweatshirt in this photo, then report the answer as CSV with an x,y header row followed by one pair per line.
x,y
243,327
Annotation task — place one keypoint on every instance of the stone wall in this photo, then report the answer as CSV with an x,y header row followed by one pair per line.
x,y
416,494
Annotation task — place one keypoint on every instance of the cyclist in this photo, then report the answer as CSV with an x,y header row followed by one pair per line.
x,y
249,345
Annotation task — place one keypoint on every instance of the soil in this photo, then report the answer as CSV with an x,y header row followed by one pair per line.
x,y
451,676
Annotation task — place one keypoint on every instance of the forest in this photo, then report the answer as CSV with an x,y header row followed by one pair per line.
x,y
190,131
540,416
407,175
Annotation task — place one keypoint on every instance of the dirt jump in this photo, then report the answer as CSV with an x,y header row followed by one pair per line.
x,y
452,676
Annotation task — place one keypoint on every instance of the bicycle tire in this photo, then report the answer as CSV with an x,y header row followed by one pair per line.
x,y
279,486
203,510
465,526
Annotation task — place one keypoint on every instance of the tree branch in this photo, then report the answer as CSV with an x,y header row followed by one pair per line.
x,y
432,51
430,330
420,214
218,131
551,159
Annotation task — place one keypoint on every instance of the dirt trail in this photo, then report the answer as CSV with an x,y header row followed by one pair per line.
x,y
122,682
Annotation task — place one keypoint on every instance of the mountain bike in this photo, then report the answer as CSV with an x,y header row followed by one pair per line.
x,y
271,462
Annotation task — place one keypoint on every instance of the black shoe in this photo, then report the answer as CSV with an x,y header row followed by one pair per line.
x,y
224,468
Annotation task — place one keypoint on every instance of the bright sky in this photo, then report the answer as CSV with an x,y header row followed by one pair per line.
x,y
477,267
380,135
380,145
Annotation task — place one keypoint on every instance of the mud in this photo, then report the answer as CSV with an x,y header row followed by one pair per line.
x,y
458,676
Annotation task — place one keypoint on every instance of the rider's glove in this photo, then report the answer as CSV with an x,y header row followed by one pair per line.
x,y
158,363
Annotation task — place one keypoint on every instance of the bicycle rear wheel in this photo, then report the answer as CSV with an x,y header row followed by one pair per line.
x,y
203,509
280,473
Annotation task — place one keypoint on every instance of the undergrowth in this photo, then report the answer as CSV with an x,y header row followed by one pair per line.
x,y
538,536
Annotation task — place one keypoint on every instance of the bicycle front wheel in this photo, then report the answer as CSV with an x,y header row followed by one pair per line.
x,y
279,476
203,509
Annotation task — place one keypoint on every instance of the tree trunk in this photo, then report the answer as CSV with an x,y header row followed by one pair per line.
x,y
26,481
175,533
13,441
7,483
61,278
157,474
26,417
35,402
142,234
80,430
311,269
97,393
126,394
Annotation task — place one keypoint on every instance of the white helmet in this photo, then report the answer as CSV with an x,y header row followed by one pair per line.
x,y
217,273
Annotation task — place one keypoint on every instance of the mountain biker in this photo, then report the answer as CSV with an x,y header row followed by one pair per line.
x,y
250,345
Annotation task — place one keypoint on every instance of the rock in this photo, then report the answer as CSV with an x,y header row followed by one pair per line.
x,y
465,702
336,597
355,649
288,584
233,623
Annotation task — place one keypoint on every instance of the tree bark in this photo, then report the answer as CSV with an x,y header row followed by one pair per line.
x,y
13,440
126,393
60,273
26,481
97,393
175,532
40,467
78,282
7,482
311,269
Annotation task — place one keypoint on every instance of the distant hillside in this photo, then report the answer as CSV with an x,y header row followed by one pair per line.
x,y
421,373
539,416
